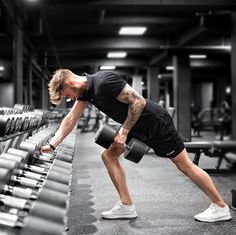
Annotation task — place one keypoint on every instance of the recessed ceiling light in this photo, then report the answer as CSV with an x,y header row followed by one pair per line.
x,y
116,54
169,67
197,56
132,30
107,67
2,68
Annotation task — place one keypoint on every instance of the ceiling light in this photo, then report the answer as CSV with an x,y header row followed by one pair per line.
x,y
107,67
197,56
132,30
116,54
228,90
226,47
2,68
169,67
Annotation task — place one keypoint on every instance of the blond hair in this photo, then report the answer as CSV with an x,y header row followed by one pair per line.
x,y
56,84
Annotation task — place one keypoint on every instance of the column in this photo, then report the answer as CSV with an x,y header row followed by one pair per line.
x,y
182,95
153,83
18,60
233,74
29,82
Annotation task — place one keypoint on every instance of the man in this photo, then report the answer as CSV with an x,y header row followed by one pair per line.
x,y
140,118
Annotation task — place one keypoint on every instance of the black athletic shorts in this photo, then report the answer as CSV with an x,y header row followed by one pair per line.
x,y
166,142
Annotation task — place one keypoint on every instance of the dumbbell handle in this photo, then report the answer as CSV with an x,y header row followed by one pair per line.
x,y
36,169
30,175
15,202
26,193
23,181
10,220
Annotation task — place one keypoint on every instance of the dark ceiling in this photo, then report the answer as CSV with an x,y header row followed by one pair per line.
x,y
79,34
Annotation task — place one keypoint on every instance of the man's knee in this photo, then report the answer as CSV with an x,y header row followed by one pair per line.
x,y
183,163
108,157
104,155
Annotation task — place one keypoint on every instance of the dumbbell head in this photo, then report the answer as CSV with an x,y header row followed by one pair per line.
x,y
38,226
29,147
13,157
5,124
49,212
20,153
135,150
9,164
53,197
105,135
56,186
5,175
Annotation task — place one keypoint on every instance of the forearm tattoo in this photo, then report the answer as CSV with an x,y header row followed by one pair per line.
x,y
136,105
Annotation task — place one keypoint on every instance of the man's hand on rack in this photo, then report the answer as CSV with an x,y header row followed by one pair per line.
x,y
46,149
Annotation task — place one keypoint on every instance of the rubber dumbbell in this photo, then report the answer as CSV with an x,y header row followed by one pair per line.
x,y
5,176
5,124
40,170
25,156
46,195
12,166
32,224
57,174
36,208
20,171
134,150
33,149
27,193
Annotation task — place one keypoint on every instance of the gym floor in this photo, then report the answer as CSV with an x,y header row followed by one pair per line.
x,y
165,199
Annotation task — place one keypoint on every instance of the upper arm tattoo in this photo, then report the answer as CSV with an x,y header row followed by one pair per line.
x,y
136,104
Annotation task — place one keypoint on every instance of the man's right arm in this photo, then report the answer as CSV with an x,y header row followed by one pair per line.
x,y
67,125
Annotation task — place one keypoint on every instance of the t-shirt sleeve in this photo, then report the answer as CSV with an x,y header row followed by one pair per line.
x,y
113,84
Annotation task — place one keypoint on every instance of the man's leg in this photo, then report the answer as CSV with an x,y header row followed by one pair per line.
x,y
124,208
198,176
117,173
205,183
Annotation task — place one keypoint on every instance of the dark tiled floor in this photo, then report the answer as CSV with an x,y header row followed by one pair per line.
x,y
165,199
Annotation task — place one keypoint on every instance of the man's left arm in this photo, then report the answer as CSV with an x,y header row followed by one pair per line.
x,y
136,105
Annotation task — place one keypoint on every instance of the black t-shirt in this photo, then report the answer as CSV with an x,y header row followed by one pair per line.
x,y
104,87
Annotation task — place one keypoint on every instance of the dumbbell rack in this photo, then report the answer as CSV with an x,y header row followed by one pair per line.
x,y
49,202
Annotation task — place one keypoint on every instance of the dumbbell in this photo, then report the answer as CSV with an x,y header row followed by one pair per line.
x,y
25,156
36,208
33,150
31,225
46,195
12,166
134,150
27,193
5,125
55,173
21,167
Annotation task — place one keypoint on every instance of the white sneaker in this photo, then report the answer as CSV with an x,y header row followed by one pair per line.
x,y
214,213
120,211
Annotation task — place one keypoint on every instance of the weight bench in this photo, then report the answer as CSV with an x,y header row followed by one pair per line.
x,y
211,149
